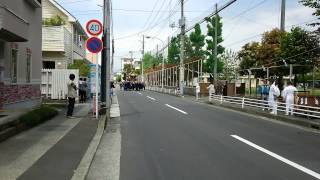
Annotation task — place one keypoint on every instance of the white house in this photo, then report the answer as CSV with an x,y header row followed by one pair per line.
x,y
61,44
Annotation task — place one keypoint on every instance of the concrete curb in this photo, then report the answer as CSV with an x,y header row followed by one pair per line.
x,y
83,168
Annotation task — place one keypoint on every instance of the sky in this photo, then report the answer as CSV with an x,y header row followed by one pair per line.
x,y
244,21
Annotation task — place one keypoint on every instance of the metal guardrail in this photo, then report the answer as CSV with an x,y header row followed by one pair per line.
x,y
164,90
306,111
243,102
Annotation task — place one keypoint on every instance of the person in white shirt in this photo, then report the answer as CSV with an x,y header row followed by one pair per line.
x,y
274,93
197,90
72,94
211,89
288,95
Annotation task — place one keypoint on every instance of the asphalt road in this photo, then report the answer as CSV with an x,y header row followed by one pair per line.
x,y
169,138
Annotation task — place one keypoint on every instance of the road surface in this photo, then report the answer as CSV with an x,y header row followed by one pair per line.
x,y
170,138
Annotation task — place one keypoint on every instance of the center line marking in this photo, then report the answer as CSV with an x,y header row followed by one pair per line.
x,y
151,98
285,160
183,112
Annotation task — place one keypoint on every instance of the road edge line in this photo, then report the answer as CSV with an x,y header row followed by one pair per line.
x,y
179,110
278,157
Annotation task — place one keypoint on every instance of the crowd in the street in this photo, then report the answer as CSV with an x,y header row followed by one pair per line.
x,y
132,86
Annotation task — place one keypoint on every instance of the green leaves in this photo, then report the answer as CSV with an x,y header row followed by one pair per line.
x,y
83,67
54,21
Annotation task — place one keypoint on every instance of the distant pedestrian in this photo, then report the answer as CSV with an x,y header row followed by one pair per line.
x,y
288,95
212,90
264,92
197,90
72,94
274,93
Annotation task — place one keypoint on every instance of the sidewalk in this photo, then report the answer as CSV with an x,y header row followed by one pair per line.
x,y
106,162
52,150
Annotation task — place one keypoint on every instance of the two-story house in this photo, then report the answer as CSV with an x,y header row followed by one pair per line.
x,y
20,53
61,43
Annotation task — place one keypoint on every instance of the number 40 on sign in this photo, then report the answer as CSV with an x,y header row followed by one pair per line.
x,y
94,27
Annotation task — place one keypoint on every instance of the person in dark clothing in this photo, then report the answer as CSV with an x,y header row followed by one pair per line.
x,y
72,94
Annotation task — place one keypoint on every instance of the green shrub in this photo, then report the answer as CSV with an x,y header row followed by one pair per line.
x,y
38,116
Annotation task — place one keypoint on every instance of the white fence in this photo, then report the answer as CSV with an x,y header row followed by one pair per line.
x,y
298,109
164,90
54,82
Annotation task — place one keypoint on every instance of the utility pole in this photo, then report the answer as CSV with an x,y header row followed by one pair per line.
x,y
142,75
182,25
283,15
112,59
215,75
106,60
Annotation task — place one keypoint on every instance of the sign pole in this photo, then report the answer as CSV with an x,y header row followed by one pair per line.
x,y
95,45
97,81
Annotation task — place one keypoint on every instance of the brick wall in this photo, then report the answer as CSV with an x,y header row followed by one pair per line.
x,y
16,93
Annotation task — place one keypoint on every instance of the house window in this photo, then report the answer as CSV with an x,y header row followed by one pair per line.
x,y
14,65
28,70
49,64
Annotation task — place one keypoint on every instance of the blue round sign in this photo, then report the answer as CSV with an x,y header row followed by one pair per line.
x,y
94,45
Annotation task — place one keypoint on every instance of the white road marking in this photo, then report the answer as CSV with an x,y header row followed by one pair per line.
x,y
151,98
183,112
139,93
285,160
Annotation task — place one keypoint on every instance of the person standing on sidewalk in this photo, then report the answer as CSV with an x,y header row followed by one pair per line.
x,y
274,93
211,89
264,91
197,90
72,94
288,95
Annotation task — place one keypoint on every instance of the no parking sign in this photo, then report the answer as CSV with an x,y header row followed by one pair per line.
x,y
94,45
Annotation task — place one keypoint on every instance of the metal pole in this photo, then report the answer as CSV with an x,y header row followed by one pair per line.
x,y
216,44
313,77
182,24
291,70
283,15
142,78
97,83
162,71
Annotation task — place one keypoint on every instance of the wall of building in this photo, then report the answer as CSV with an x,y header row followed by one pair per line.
x,y
14,92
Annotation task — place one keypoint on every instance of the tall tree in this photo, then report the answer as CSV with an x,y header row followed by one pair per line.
x,y
209,64
231,62
197,42
301,48
248,56
174,51
147,60
315,4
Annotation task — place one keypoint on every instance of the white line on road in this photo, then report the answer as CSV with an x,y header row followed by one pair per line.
x,y
139,93
183,112
287,161
151,98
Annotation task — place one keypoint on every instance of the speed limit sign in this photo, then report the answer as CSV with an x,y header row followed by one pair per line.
x,y
94,27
